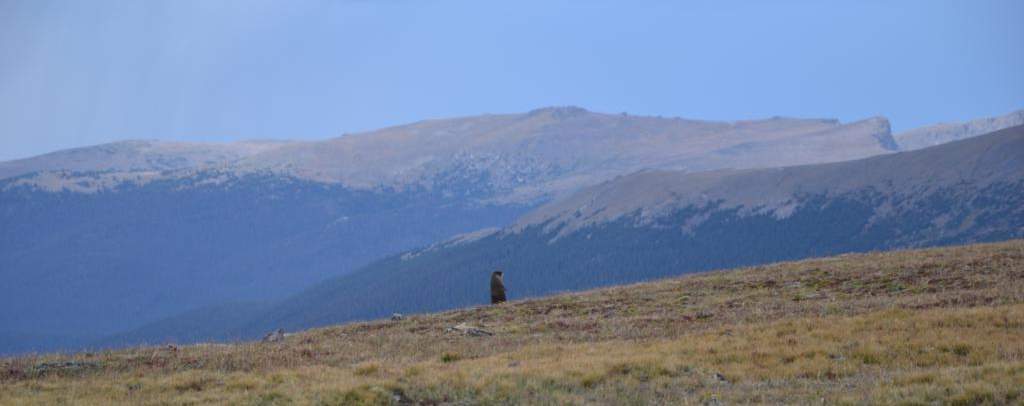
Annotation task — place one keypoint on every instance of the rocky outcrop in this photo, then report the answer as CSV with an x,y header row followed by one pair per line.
x,y
942,133
275,336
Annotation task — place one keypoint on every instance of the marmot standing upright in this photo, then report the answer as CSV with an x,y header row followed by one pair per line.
x,y
497,287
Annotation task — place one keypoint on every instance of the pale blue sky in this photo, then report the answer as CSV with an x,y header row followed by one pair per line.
x,y
76,73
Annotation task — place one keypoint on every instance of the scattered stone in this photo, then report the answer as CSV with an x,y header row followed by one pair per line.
x,y
468,330
397,317
274,336
212,345
399,397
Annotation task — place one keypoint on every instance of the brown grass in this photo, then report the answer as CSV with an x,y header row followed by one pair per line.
x,y
915,327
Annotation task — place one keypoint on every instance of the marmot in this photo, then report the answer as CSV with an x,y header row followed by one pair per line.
x,y
497,287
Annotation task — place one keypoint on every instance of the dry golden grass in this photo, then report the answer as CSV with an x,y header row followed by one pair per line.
x,y
915,327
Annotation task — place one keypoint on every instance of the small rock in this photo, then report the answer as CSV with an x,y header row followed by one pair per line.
x,y
274,336
397,317
468,330
399,397
704,314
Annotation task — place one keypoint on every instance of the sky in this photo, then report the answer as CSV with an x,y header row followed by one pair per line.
x,y
75,73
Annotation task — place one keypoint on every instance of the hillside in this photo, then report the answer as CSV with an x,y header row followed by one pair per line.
x,y
657,224
99,241
909,327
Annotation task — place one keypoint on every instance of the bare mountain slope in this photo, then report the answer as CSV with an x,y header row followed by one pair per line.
x,y
998,157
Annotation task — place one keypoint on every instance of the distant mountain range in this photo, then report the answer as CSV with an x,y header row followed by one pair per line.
x,y
110,239
519,158
662,223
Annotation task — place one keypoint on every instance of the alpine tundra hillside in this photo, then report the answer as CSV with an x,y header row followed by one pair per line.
x,y
929,326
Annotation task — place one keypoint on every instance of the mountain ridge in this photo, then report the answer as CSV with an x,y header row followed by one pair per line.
x,y
515,157
137,155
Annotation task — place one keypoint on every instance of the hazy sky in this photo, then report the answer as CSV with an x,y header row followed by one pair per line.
x,y
75,73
